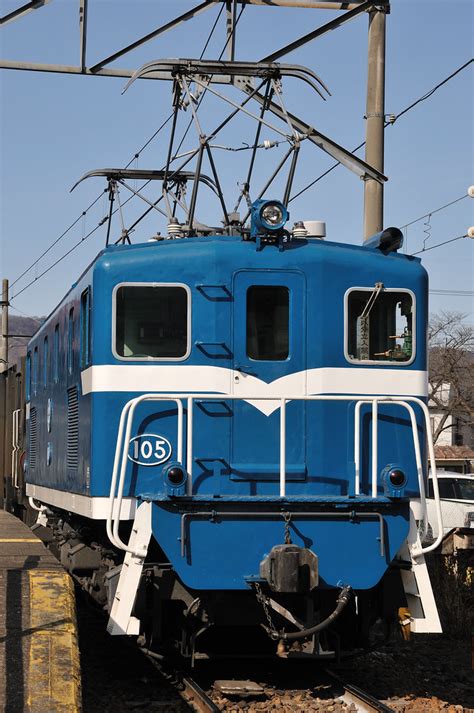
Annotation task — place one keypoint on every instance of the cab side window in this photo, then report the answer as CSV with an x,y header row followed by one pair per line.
x,y
380,325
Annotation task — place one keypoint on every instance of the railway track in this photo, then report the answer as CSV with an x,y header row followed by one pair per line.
x,y
117,677
361,699
233,694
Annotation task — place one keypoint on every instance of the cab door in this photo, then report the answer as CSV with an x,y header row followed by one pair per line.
x,y
269,324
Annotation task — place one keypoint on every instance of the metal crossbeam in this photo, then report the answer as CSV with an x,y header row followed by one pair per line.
x,y
320,31
151,35
310,4
342,155
23,10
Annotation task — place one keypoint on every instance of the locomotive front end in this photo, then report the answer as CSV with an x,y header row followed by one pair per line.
x,y
271,434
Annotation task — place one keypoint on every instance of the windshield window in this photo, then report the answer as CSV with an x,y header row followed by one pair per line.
x,y
380,325
151,322
268,310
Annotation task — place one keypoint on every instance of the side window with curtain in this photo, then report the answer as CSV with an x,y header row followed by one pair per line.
x,y
70,341
34,380
28,376
85,327
45,362
56,355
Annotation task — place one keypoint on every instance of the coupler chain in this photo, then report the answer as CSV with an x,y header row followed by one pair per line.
x,y
263,600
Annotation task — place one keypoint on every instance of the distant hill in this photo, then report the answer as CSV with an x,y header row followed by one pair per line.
x,y
20,325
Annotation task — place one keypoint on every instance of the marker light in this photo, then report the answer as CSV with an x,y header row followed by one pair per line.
x,y
175,478
394,480
397,477
175,475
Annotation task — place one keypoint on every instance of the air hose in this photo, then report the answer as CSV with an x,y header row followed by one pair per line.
x,y
342,601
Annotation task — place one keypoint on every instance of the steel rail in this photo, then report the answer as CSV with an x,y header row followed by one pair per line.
x,y
353,694
186,687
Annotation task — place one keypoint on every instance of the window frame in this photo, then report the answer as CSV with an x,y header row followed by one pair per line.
x,y
70,340
56,342
85,329
45,362
265,286
145,360
29,371
35,371
378,362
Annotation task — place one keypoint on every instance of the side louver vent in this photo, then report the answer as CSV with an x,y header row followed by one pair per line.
x,y
33,445
72,458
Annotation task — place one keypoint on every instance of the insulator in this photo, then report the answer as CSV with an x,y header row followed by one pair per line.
x,y
299,231
174,229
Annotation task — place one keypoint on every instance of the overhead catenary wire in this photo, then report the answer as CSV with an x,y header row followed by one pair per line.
x,y
432,212
393,120
135,156
432,247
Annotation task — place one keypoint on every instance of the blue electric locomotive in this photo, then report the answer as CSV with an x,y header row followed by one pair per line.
x,y
228,435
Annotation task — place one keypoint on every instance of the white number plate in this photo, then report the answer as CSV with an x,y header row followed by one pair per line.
x,y
149,449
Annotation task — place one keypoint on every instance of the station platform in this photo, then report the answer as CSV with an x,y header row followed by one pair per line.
x,y
39,653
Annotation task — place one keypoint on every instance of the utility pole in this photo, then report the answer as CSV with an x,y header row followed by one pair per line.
x,y
4,328
375,116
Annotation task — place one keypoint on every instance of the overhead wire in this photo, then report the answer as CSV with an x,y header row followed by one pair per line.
x,y
436,210
137,154
96,200
432,247
392,121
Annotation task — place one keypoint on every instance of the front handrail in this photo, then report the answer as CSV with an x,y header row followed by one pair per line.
x,y
126,420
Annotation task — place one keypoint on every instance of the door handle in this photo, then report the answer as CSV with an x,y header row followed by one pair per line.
x,y
245,369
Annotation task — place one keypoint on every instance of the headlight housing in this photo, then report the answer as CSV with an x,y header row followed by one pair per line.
x,y
268,218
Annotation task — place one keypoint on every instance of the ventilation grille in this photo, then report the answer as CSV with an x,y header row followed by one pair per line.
x,y
33,445
72,457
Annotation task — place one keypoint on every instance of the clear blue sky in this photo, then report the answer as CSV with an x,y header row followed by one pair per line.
x,y
54,128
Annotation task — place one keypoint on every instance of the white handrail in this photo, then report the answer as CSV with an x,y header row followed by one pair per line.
x,y
282,448
375,441
115,498
416,444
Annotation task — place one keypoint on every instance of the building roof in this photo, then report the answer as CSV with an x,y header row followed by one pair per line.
x,y
453,453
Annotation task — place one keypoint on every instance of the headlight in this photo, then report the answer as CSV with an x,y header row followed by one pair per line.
x,y
272,214
268,219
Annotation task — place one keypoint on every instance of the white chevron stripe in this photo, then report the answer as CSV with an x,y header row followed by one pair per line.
x,y
216,379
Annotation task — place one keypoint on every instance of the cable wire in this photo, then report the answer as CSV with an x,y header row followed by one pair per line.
x,y
38,277
432,212
387,123
440,244
60,238
134,157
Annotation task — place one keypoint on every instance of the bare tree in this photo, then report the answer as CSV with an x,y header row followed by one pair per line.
x,y
451,370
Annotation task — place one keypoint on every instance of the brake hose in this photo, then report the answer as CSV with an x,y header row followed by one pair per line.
x,y
342,601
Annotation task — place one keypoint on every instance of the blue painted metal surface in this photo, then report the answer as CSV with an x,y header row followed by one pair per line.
x,y
236,446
